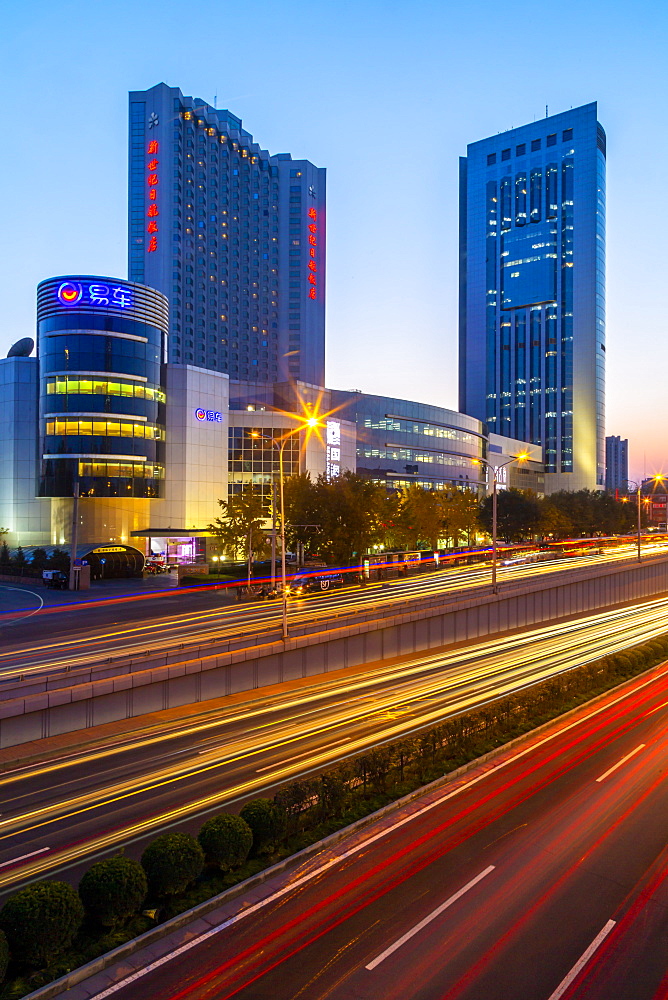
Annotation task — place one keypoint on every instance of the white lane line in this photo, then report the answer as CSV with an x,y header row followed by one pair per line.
x,y
427,920
582,961
286,760
620,762
362,845
24,856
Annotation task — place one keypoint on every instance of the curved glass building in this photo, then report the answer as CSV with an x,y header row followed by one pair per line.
x,y
101,344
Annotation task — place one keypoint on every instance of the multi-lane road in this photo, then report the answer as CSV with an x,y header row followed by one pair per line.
x,y
60,637
59,814
540,876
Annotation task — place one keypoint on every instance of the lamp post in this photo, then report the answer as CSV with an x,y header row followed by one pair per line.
x,y
638,487
310,422
495,469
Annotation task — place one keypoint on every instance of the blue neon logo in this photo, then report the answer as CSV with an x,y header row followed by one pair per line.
x,y
212,415
95,293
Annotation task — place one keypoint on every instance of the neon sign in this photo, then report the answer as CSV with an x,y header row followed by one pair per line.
x,y
152,181
312,244
211,415
333,449
95,293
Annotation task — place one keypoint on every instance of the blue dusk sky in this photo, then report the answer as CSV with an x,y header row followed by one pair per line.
x,y
385,95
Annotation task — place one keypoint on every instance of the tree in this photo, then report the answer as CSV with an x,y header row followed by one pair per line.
x,y
39,559
267,823
460,514
519,514
300,500
420,517
240,526
5,556
226,841
349,511
171,863
19,560
113,890
41,921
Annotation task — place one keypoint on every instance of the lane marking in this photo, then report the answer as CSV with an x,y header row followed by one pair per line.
x,y
657,709
14,861
620,762
365,844
305,753
427,920
582,961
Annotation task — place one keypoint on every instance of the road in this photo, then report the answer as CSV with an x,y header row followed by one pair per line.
x,y
60,637
542,877
60,814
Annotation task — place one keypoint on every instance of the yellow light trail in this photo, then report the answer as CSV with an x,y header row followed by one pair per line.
x,y
424,690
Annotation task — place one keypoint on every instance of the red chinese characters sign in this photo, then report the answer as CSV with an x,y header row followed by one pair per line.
x,y
152,213
312,265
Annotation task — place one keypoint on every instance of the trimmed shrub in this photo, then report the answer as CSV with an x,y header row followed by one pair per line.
x,y
4,955
226,841
171,863
41,921
267,824
113,890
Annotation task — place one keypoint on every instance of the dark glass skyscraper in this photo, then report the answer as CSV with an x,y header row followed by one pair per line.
x,y
532,291
234,237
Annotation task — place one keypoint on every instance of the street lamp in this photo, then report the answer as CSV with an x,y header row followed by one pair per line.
x,y
309,423
637,487
495,469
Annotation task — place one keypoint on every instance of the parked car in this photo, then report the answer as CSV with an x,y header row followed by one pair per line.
x,y
55,578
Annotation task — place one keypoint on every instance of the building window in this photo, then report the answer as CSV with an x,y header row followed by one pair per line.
x,y
521,149
491,159
535,145
552,139
505,154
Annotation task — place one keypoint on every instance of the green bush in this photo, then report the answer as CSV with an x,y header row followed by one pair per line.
x,y
41,921
171,863
267,824
113,890
226,841
4,955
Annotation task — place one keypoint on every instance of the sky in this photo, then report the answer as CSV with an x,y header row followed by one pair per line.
x,y
385,95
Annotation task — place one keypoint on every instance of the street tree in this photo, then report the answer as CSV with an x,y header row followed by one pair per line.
x,y
241,524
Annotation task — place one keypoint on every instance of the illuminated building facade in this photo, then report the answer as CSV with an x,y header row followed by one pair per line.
x,y
101,346
532,291
234,237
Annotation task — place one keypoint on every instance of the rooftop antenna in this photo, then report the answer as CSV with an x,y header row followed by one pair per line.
x,y
215,98
546,110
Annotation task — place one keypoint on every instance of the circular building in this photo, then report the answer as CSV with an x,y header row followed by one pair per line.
x,y
101,345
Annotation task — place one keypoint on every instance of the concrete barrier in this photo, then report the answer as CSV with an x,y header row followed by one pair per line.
x,y
96,696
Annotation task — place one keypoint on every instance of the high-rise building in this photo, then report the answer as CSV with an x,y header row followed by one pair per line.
x,y
616,463
532,291
234,237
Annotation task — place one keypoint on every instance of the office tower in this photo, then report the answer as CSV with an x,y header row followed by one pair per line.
x,y
234,237
532,291
616,463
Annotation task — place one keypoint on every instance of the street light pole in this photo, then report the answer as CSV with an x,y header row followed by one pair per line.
x,y
284,591
495,469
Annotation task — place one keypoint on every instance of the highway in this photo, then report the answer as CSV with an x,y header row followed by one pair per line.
x,y
58,638
60,814
543,876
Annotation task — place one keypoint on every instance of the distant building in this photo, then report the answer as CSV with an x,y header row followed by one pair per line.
x,y
234,237
616,463
532,291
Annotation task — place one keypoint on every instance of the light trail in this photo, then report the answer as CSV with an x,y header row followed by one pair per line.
x,y
449,684
178,631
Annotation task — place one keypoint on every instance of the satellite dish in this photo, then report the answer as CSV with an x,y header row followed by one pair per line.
x,y
22,348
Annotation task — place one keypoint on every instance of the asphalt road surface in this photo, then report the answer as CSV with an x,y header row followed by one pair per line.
x,y
542,875
60,814
63,635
